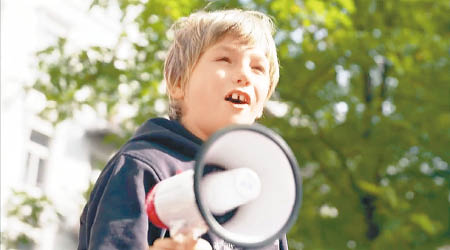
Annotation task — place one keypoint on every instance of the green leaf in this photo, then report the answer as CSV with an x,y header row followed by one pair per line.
x,y
370,188
425,223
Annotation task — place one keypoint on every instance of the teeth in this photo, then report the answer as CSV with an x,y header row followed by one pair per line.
x,y
237,98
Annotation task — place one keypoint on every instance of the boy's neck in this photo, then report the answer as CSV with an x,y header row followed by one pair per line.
x,y
194,130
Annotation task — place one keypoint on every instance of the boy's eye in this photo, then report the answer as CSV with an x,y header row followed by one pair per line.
x,y
259,68
224,59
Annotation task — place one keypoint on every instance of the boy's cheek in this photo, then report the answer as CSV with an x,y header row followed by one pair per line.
x,y
221,73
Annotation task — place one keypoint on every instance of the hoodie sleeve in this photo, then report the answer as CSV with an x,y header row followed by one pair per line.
x,y
118,220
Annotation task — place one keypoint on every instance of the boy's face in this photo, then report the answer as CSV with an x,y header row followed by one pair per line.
x,y
228,85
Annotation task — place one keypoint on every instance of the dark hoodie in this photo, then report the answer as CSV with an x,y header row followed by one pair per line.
x,y
115,217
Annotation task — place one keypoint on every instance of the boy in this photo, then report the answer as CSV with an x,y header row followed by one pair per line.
x,y
220,70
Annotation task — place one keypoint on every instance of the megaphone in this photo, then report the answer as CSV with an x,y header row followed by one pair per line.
x,y
245,187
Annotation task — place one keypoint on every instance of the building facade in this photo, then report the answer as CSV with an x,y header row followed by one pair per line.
x,y
52,165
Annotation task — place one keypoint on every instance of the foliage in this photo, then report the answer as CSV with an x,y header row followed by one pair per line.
x,y
27,211
366,84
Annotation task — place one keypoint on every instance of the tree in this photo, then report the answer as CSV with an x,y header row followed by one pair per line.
x,y
28,211
366,86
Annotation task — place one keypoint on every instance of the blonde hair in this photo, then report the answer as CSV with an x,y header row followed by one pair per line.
x,y
194,34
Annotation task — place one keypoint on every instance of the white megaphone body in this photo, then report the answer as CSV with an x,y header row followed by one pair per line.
x,y
245,187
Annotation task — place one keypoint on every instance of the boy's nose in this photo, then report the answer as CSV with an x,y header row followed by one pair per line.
x,y
242,81
241,77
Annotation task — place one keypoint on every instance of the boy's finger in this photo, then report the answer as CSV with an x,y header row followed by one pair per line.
x,y
189,243
202,245
166,243
186,244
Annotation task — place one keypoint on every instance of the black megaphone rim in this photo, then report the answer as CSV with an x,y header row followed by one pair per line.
x,y
213,225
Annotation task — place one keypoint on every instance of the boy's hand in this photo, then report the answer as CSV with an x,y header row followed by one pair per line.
x,y
186,244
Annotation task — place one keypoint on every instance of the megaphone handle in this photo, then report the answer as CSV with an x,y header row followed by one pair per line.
x,y
163,233
180,231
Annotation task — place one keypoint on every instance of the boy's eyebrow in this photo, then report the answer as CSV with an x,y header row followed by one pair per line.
x,y
226,48
229,48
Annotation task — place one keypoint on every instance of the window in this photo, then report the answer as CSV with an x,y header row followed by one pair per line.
x,y
37,157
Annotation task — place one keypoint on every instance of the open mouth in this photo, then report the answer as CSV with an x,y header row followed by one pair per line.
x,y
238,98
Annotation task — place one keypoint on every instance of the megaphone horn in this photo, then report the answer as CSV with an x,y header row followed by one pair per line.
x,y
245,188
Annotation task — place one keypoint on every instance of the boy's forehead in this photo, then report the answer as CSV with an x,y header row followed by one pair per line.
x,y
232,43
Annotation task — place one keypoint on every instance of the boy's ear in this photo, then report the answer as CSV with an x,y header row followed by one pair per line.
x,y
176,92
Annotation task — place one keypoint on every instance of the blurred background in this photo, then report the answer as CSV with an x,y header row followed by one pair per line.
x,y
363,100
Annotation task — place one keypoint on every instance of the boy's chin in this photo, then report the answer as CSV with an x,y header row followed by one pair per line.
x,y
223,123
240,121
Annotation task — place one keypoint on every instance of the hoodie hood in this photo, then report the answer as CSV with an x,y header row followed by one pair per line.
x,y
169,134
